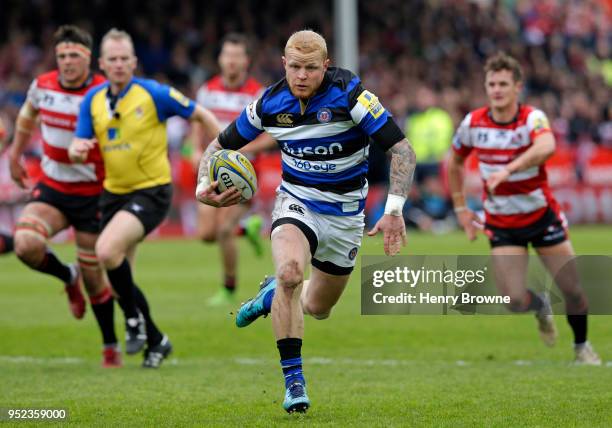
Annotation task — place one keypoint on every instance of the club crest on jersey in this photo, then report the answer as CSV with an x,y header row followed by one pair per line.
x,y
139,112
324,115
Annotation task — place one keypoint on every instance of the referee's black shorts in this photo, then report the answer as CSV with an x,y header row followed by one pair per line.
x,y
150,205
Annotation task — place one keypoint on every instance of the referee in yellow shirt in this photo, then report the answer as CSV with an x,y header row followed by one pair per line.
x,y
125,119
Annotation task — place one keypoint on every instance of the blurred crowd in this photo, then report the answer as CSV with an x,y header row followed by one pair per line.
x,y
423,58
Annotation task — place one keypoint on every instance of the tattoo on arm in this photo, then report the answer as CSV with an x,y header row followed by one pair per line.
x,y
403,163
213,147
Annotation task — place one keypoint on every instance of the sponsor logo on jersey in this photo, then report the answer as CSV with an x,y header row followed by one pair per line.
x,y
284,119
317,150
296,208
179,97
114,133
370,101
319,167
541,124
251,110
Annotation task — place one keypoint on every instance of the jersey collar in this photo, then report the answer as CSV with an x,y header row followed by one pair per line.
x,y
123,91
511,121
85,84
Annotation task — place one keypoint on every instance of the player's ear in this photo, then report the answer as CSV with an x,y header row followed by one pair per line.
x,y
284,62
326,63
519,86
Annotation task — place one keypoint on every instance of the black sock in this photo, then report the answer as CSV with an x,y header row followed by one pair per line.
x,y
578,323
535,302
290,350
154,336
103,307
123,284
6,243
52,266
230,283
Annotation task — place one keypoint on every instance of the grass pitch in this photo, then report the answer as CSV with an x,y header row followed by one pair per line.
x,y
361,371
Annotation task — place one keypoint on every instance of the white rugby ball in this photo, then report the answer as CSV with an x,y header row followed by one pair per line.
x,y
232,169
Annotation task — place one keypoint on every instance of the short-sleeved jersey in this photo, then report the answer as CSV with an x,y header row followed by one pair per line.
x,y
525,196
58,109
132,137
325,147
225,103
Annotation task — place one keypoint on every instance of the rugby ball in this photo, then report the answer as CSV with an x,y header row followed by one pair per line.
x,y
232,169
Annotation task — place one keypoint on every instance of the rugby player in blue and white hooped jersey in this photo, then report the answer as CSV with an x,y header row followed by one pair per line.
x,y
323,120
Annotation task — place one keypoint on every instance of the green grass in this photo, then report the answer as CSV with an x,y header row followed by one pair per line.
x,y
362,371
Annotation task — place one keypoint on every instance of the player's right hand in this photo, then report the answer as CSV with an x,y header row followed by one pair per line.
x,y
18,172
79,149
470,222
207,194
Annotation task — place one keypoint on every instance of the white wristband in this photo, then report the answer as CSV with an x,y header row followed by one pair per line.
x,y
202,185
395,205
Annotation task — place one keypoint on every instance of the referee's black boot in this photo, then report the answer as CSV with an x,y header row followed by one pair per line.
x,y
156,354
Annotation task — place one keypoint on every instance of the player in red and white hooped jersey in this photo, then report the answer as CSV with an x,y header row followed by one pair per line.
x,y
512,141
227,102
524,197
226,95
67,194
58,108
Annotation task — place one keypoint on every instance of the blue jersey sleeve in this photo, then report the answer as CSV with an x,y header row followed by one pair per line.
x,y
244,129
248,123
84,125
168,101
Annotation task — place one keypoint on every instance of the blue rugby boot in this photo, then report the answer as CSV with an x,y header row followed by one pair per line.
x,y
296,399
259,305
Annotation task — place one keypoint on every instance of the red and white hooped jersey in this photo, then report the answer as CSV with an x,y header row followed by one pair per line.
x,y
226,104
58,109
525,196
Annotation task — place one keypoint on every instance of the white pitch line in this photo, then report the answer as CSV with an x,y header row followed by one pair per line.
x,y
386,362
246,361
25,359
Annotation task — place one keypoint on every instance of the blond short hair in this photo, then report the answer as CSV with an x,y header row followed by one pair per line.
x,y
306,42
115,34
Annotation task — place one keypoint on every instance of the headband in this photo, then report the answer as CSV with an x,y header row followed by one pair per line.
x,y
80,48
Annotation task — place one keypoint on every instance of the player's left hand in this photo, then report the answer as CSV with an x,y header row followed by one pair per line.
x,y
394,233
495,179
207,194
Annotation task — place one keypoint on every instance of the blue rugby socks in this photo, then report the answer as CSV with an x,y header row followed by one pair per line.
x,y
290,350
